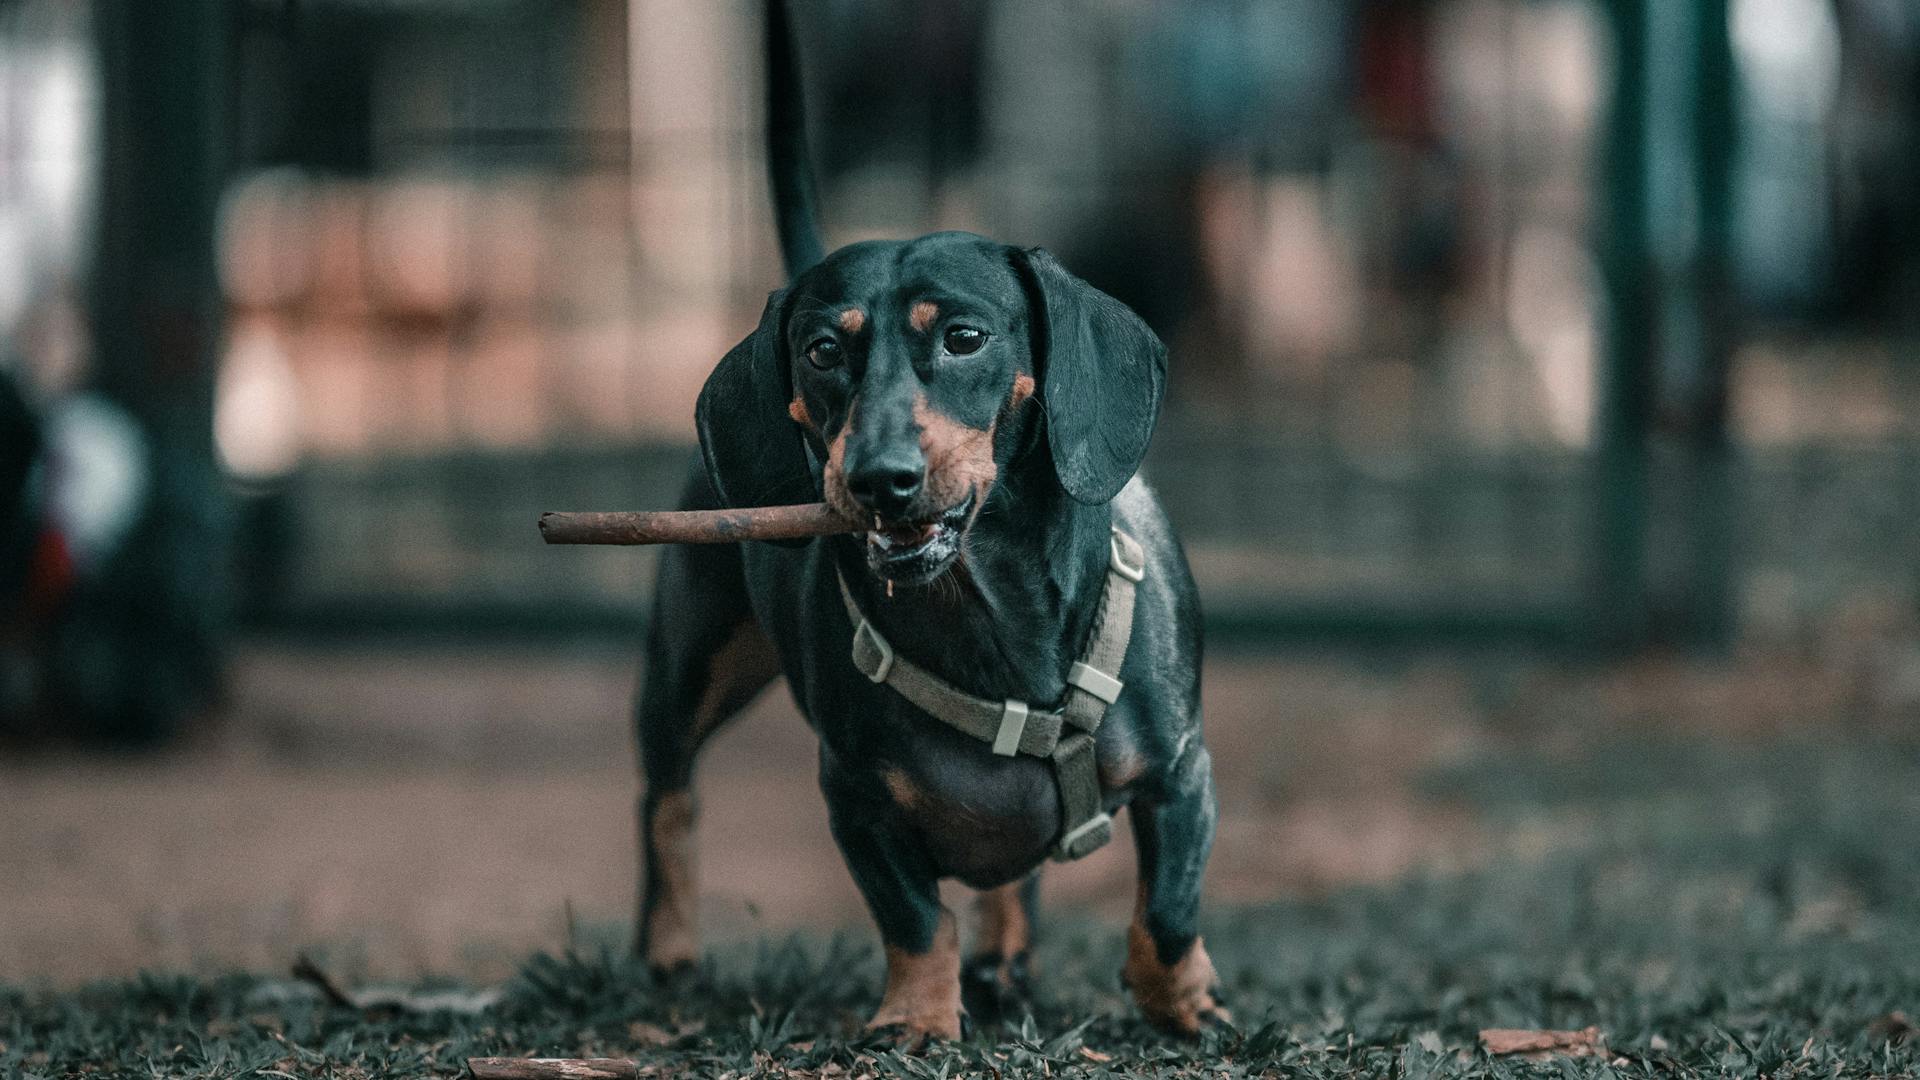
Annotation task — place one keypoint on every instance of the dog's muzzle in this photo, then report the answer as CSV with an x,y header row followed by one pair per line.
x,y
917,552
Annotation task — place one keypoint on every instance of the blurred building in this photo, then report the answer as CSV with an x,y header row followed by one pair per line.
x,y
479,256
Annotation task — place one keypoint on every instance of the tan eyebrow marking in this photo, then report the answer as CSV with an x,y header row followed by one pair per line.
x,y
923,314
1022,390
852,319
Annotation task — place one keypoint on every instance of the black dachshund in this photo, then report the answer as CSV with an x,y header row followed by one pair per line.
x,y
1008,655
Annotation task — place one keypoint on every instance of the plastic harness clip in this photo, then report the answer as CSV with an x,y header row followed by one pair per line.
x,y
1091,835
1118,560
885,667
1013,724
1095,682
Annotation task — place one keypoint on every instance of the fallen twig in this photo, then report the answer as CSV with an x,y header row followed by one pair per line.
x,y
508,1068
307,971
462,1002
1539,1045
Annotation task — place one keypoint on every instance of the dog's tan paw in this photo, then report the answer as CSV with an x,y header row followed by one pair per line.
x,y
669,921
1177,998
923,989
915,1032
670,945
673,972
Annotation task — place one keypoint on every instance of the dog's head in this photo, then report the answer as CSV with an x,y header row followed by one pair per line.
x,y
908,368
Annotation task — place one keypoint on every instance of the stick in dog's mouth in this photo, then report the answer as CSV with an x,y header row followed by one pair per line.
x,y
696,526
890,549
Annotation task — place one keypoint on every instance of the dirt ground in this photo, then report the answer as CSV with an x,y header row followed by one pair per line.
x,y
428,811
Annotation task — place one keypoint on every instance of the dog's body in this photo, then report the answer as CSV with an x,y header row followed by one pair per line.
x,y
987,411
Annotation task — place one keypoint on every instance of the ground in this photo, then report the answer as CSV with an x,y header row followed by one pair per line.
x,y
1714,864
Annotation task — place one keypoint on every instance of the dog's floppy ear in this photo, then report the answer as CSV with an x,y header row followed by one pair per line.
x,y
753,451
1102,373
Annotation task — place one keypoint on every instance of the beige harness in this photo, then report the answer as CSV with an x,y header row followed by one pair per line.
x,y
1064,736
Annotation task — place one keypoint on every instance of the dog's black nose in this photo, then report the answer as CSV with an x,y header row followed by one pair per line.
x,y
887,484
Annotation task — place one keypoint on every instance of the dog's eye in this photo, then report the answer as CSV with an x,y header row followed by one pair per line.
x,y
964,340
824,354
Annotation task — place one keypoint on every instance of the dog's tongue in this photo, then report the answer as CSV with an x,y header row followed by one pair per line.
x,y
910,534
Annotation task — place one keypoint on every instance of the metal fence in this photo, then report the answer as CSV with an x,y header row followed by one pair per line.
x,y
492,285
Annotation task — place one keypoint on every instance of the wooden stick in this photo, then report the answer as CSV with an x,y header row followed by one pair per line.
x,y
507,1068
695,526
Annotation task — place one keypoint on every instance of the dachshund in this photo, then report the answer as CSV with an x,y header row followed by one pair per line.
x,y
1009,653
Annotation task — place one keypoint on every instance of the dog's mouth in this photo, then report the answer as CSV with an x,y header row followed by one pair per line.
x,y
914,553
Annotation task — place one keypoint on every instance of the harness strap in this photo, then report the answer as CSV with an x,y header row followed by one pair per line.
x,y
1093,683
1014,727
1011,726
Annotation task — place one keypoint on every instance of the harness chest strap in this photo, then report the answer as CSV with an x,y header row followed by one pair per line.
x,y
1013,727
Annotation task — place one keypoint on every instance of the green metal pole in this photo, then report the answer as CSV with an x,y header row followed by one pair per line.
x,y
1664,560
141,652
1618,587
1710,596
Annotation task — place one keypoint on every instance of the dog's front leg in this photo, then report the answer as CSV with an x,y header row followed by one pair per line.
x,y
921,938
1168,969
706,658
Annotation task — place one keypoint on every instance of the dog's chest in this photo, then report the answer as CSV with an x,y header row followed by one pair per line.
x,y
984,819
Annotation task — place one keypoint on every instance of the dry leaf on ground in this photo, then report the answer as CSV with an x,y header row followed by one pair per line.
x,y
1893,1027
643,1033
1538,1044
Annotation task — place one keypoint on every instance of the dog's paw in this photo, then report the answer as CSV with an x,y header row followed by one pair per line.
x,y
1178,998
670,958
914,1033
673,971
1187,1017
923,989
995,988
1214,1016
668,942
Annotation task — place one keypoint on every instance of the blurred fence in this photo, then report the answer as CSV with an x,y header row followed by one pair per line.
x,y
492,286
1288,540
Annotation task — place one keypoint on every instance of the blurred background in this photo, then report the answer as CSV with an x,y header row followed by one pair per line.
x,y
1544,371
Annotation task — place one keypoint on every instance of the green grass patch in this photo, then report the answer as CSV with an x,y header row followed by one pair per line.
x,y
1713,911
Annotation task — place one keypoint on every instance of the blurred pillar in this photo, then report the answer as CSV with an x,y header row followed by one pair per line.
x,y
1619,587
1695,599
693,103
1664,564
705,255
141,653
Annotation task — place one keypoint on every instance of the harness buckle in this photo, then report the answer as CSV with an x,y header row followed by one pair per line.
x,y
1089,836
1094,681
1013,724
885,666
1118,561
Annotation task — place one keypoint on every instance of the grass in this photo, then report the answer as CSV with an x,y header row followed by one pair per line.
x,y
1713,911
